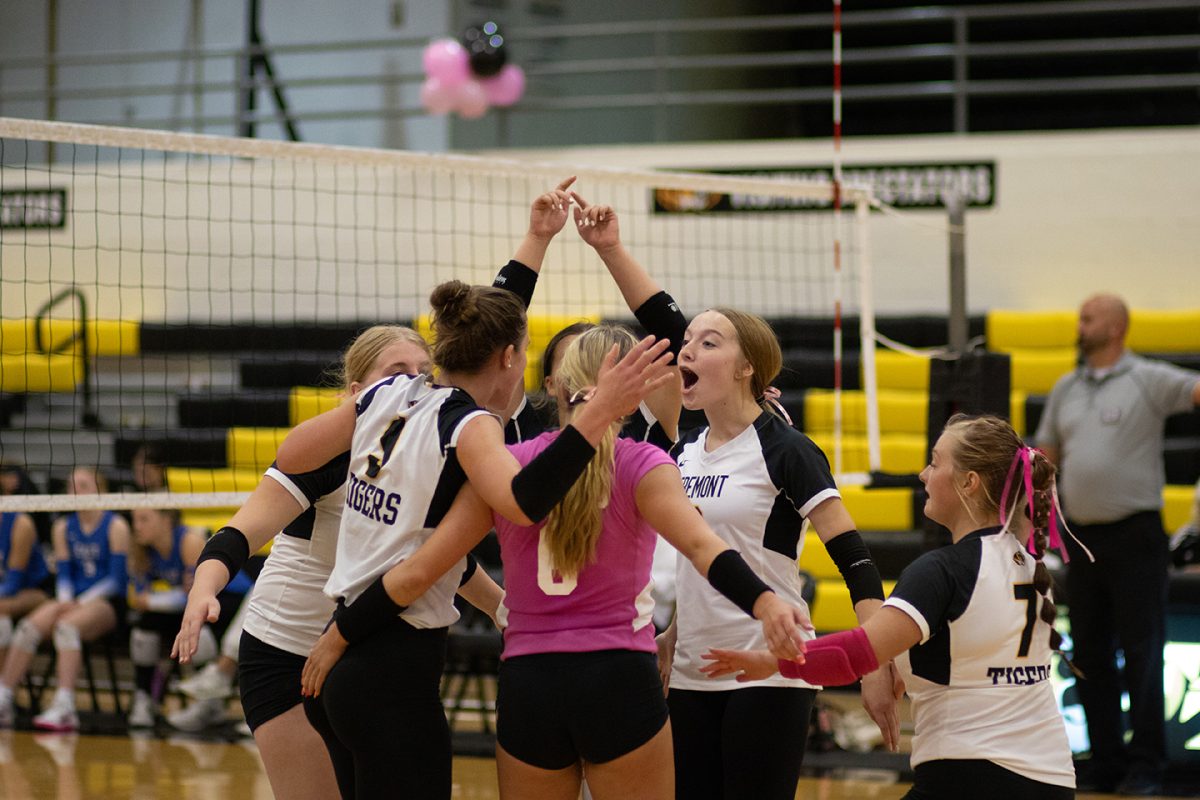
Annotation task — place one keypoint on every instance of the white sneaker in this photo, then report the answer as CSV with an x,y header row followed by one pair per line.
x,y
58,717
208,683
199,715
142,713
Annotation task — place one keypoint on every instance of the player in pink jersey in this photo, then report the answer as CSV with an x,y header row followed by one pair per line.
x,y
579,686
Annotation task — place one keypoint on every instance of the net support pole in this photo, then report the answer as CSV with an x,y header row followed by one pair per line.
x,y
866,331
837,237
958,273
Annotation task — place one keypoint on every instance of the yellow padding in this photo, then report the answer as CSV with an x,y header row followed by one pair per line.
x,y
542,328
185,480
1036,371
16,336
814,558
1016,330
253,448
832,610
1175,331
107,337
213,519
902,453
883,509
1177,506
306,402
1016,410
899,371
34,372
899,411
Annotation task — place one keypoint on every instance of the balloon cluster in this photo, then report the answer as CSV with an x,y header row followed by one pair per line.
x,y
470,76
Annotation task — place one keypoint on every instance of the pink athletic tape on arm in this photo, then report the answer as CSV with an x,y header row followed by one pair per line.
x,y
834,660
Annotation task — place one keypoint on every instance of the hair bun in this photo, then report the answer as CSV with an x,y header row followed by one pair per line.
x,y
454,302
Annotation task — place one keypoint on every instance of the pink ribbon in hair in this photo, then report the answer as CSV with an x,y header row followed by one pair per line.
x,y
1024,458
772,395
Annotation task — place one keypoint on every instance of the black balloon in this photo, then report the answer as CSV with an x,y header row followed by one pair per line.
x,y
486,49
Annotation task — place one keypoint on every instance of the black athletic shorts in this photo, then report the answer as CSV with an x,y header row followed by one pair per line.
x,y
554,709
269,680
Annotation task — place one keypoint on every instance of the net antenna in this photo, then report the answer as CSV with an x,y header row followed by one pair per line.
x,y
224,277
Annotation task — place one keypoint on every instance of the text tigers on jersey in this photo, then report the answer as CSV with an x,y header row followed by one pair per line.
x,y
371,501
1019,676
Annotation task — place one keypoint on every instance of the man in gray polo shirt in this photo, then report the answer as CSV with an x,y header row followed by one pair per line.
x,y
1103,426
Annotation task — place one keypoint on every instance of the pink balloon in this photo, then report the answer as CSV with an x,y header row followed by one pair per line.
x,y
470,100
447,60
507,87
437,97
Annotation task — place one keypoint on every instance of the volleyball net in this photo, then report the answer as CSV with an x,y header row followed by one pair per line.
x,y
185,295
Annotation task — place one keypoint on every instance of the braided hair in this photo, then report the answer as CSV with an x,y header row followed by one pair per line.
x,y
989,446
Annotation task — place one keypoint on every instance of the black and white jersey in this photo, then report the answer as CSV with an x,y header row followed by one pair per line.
x,y
979,679
754,492
404,475
288,607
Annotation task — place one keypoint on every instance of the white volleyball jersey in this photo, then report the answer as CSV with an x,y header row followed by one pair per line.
x,y
288,607
404,474
979,679
754,492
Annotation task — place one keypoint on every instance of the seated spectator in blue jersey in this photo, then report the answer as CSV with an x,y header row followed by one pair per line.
x,y
25,580
15,480
970,626
90,550
162,562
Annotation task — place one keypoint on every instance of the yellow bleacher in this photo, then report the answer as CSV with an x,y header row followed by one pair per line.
x,y
37,372
1150,330
58,366
188,480
1030,330
1164,331
1177,506
106,337
832,609
901,453
306,402
252,448
901,371
883,509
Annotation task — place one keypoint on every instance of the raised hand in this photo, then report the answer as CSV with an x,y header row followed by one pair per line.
x,y
623,384
597,224
548,214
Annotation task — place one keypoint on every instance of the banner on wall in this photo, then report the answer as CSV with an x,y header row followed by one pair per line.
x,y
33,208
907,186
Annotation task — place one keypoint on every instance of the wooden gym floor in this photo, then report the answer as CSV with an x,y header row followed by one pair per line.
x,y
138,767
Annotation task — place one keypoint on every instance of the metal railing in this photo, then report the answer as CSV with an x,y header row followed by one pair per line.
x,y
651,48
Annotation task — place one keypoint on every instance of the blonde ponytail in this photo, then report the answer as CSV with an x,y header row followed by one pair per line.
x,y
573,526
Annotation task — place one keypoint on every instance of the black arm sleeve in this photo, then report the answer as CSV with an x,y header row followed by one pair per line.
x,y
518,279
661,317
731,576
853,560
469,572
229,546
368,613
545,480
